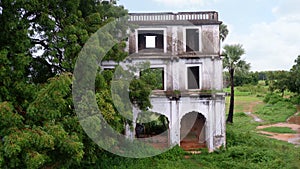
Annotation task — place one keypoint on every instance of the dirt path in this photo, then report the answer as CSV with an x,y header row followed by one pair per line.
x,y
255,117
249,109
293,122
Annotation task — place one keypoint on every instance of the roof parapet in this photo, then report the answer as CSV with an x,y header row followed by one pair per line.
x,y
169,16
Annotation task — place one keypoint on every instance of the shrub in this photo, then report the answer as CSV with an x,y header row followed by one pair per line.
x,y
272,98
295,99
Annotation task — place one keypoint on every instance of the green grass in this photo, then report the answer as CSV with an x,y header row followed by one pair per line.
x,y
237,92
278,112
242,103
279,130
247,90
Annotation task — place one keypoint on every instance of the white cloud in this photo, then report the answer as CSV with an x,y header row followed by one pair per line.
x,y
273,45
287,8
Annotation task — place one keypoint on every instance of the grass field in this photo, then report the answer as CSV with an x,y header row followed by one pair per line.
x,y
246,103
279,130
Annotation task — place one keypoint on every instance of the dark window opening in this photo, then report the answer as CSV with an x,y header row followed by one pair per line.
x,y
192,40
151,40
193,77
154,77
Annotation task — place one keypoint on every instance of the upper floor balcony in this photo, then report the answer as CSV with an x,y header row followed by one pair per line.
x,y
169,18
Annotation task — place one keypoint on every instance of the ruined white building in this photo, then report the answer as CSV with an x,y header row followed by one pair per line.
x,y
185,47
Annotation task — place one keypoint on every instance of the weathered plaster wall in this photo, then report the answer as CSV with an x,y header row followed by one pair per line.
x,y
175,61
211,108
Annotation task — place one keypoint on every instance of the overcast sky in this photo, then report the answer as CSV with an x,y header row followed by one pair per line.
x,y
269,30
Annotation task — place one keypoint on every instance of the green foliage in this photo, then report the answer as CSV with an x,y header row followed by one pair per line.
x,y
279,80
223,31
39,128
153,122
295,99
278,109
273,98
232,62
242,78
153,77
251,89
14,55
232,59
106,106
41,110
294,84
58,28
9,119
168,160
48,131
139,93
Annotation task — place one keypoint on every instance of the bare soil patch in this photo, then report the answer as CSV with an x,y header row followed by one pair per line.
x,y
292,123
291,138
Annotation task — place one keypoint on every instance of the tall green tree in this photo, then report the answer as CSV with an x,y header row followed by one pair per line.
x,y
279,80
232,61
61,28
294,79
15,55
39,42
47,132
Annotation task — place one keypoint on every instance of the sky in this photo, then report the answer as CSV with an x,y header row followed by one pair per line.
x,y
269,30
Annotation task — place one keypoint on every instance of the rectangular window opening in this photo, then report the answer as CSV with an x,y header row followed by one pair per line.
x,y
192,40
154,77
150,40
193,74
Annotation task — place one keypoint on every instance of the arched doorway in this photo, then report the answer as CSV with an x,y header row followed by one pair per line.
x,y
192,131
154,125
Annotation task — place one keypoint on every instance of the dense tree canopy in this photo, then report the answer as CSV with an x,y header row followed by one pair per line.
x,y
294,84
39,44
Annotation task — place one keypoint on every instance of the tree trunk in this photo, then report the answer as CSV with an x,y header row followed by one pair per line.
x,y
231,104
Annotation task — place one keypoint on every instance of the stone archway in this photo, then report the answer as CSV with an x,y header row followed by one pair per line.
x,y
155,129
192,131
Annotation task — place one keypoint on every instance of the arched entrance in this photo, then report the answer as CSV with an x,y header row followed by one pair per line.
x,y
192,131
154,125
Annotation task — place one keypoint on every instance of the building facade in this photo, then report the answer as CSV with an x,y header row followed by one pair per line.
x,y
185,49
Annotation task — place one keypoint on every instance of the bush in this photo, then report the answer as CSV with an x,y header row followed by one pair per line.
x,y
252,89
295,99
272,98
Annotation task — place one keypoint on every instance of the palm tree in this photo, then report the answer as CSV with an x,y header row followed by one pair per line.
x,y
232,61
223,32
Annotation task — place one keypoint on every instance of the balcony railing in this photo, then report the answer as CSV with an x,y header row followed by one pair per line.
x,y
181,16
